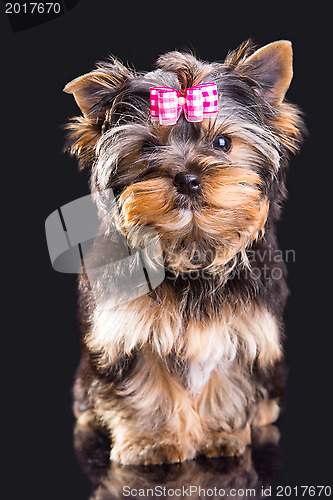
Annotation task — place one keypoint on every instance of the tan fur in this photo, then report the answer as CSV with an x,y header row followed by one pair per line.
x,y
233,215
287,122
84,136
157,415
154,420
266,412
236,57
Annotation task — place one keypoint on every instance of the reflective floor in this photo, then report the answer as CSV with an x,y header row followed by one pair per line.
x,y
249,476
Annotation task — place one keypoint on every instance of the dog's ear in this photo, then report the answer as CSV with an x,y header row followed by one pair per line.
x,y
87,89
94,93
94,90
272,68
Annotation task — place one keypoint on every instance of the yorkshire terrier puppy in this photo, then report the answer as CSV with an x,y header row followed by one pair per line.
x,y
190,367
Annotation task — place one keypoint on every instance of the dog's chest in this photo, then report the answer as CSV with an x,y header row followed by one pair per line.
x,y
233,340
199,372
208,348
195,352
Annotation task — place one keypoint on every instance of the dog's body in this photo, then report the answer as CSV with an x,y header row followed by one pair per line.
x,y
190,367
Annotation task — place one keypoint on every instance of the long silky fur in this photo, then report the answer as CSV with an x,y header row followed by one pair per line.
x,y
188,368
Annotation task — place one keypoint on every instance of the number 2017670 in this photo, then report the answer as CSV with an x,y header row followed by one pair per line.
x,y
33,8
309,491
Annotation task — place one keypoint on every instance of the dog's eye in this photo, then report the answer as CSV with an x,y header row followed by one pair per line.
x,y
222,142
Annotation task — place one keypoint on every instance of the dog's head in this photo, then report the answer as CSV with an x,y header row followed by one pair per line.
x,y
206,188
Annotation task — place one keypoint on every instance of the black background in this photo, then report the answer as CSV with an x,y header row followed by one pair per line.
x,y
39,335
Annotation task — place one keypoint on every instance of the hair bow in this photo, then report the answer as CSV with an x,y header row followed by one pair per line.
x,y
166,103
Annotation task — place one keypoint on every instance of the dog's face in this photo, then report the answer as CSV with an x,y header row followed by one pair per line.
x,y
206,188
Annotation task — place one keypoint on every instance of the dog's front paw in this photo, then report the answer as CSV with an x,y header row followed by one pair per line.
x,y
164,454
220,443
147,452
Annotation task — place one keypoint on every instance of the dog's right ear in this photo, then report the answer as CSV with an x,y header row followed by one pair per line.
x,y
94,93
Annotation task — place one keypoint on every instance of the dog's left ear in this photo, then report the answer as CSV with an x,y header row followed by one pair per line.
x,y
271,67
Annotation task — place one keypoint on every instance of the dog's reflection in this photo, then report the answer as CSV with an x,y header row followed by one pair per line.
x,y
249,476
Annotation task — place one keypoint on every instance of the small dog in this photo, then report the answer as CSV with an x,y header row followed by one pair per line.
x,y
192,366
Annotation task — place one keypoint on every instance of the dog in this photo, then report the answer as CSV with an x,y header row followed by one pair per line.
x,y
193,365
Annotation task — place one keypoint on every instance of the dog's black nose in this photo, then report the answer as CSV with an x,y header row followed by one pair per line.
x,y
187,183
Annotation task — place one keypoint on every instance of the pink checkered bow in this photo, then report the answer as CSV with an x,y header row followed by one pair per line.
x,y
166,103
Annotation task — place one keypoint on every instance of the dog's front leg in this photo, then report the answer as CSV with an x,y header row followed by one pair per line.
x,y
149,415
